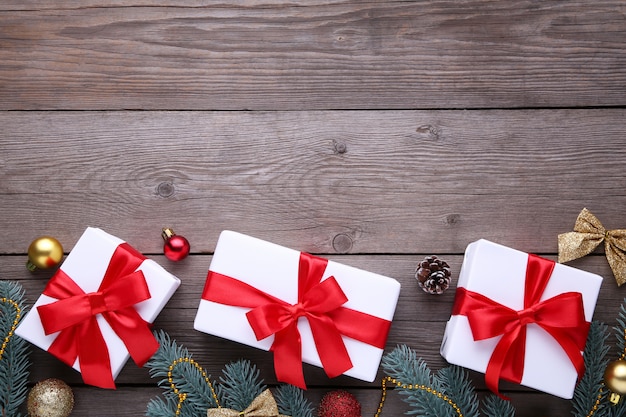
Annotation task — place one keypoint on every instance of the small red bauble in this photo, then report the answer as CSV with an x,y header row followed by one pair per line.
x,y
176,247
339,403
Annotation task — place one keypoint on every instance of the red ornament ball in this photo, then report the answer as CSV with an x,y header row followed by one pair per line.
x,y
339,403
176,247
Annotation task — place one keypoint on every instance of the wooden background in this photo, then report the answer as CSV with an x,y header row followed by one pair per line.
x,y
371,133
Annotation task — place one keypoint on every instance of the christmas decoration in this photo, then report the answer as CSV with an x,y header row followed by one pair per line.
x,y
592,398
189,391
339,403
105,277
50,398
615,379
176,247
449,392
446,393
43,253
433,275
615,372
276,286
540,309
587,235
262,406
14,351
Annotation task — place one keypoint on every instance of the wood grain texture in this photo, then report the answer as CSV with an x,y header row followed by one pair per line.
x,y
323,182
311,55
372,133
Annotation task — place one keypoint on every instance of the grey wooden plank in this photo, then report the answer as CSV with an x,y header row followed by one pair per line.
x,y
322,55
33,5
322,182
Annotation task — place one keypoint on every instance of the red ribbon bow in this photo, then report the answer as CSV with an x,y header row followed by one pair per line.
x,y
562,316
74,316
319,301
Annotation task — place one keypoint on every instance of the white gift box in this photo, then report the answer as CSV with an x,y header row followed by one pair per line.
x,y
86,265
273,269
499,273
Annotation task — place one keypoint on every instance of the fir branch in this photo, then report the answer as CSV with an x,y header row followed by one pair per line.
x,y
591,384
14,361
403,365
457,385
187,378
620,328
494,406
240,385
162,407
291,401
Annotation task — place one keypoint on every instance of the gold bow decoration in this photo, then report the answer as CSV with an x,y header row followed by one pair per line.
x,y
587,235
262,406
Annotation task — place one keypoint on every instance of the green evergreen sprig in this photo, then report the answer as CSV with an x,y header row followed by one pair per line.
x,y
239,385
291,401
186,377
620,328
14,359
494,406
194,391
405,366
456,385
590,391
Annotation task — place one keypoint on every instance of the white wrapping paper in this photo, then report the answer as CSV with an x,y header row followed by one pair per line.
x,y
86,265
499,273
274,269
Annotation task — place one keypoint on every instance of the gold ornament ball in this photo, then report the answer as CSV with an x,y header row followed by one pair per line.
x,y
615,376
50,398
44,252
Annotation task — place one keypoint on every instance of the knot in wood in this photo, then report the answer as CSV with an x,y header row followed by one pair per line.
x,y
452,219
342,243
340,147
165,189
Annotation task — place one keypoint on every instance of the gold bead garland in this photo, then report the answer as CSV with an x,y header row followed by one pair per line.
x,y
421,387
18,314
596,404
181,395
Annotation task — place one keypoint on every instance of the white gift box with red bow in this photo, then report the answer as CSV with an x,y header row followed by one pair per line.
x,y
499,273
274,269
86,266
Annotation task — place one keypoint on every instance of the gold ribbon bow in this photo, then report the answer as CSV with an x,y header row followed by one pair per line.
x,y
262,406
587,235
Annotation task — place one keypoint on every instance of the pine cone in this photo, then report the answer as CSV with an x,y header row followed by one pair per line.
x,y
433,275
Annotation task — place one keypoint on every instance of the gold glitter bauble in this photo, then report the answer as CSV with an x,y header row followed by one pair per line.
x,y
43,253
50,398
615,376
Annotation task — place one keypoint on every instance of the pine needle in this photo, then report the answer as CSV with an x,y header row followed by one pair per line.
x,y
14,362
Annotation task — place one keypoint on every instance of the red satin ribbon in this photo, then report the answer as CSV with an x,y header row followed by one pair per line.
x,y
319,301
74,316
562,316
